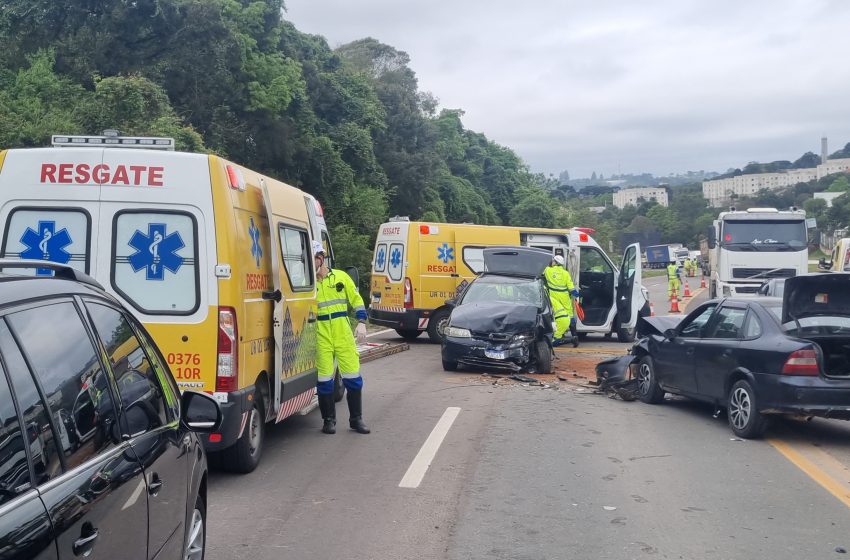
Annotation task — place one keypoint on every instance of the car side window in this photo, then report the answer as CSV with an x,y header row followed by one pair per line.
x,y
142,398
14,468
752,328
729,323
693,328
58,350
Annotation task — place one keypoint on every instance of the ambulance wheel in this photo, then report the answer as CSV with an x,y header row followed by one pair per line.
x,y
438,323
582,336
408,334
244,455
624,334
339,388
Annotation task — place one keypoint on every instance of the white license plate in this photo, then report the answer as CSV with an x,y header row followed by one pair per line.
x,y
494,354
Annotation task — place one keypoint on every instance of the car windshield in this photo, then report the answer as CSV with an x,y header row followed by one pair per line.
x,y
507,290
764,235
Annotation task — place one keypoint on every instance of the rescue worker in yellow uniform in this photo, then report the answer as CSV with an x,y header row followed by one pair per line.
x,y
673,282
563,319
561,287
336,292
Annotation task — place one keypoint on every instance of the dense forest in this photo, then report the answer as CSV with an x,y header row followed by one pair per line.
x,y
350,125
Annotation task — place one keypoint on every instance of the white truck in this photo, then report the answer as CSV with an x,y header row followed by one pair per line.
x,y
749,247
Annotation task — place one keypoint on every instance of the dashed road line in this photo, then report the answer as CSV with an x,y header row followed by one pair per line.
x,y
417,469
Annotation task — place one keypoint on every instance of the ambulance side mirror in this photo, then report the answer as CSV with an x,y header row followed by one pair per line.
x,y
355,275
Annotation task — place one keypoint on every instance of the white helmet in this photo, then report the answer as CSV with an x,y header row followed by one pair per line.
x,y
559,259
317,248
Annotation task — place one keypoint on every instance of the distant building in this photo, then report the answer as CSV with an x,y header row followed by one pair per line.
x,y
828,197
719,191
624,197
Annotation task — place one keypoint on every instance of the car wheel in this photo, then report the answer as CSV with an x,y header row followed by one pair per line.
x,y
196,536
449,365
339,388
544,357
437,324
648,389
408,334
582,336
244,455
744,418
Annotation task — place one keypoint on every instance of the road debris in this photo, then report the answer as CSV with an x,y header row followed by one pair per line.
x,y
609,508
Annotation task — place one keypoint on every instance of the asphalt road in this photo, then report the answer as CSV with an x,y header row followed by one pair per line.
x,y
527,472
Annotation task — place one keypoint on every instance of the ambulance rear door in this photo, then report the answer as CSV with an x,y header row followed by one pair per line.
x,y
156,252
50,207
628,287
294,296
438,264
387,288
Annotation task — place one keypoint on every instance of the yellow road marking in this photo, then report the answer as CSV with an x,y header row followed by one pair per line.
x,y
587,351
816,463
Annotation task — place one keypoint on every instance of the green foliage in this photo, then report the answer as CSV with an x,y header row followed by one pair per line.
x,y
841,184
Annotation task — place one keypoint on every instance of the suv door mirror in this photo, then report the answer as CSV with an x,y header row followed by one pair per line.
x,y
355,275
200,412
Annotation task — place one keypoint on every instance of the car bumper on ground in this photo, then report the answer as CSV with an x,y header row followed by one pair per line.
x,y
233,416
809,396
409,319
482,353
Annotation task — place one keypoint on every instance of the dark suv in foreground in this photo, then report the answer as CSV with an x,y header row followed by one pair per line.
x,y
98,458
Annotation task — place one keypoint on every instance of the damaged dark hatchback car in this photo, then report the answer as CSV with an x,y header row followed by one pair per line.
x,y
503,320
756,357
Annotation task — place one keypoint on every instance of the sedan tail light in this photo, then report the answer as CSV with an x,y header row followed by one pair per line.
x,y
802,362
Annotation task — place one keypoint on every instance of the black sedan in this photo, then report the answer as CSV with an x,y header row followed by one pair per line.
x,y
503,320
756,357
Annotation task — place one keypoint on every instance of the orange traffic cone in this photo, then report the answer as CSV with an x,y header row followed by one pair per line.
x,y
651,310
687,289
674,304
702,282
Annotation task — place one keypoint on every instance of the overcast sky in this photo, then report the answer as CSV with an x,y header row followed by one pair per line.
x,y
658,86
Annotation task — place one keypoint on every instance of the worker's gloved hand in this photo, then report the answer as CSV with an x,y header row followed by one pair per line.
x,y
360,333
575,293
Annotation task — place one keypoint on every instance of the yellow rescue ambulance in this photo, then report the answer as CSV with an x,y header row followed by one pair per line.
x,y
212,257
417,266
839,260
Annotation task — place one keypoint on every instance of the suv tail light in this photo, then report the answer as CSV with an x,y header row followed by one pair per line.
x,y
226,377
802,362
408,294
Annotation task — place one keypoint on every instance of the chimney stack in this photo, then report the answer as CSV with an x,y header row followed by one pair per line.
x,y
824,153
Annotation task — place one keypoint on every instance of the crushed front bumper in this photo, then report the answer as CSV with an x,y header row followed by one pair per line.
x,y
486,354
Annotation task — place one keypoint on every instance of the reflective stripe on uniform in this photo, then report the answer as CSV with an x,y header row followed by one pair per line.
x,y
340,301
360,308
554,289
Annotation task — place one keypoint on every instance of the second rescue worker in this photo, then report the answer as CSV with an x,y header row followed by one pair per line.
x,y
336,292
673,282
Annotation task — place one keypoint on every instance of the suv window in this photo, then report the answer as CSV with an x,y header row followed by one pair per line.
x,y
154,261
50,234
140,392
14,468
57,347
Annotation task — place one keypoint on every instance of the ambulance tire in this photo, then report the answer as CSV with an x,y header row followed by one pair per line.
x,y
409,334
624,334
339,388
244,455
437,324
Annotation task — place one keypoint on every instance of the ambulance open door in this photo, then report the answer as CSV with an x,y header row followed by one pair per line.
x,y
628,287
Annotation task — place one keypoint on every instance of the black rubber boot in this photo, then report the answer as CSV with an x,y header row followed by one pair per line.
x,y
574,334
355,411
327,406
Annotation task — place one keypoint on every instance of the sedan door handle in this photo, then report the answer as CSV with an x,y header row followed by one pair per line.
x,y
154,485
84,545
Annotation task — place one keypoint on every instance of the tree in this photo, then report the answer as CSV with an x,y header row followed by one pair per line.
x,y
807,160
841,184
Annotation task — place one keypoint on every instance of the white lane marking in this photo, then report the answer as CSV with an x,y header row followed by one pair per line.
x,y
416,472
370,335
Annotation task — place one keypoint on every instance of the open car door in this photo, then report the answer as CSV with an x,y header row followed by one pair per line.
x,y
294,297
628,287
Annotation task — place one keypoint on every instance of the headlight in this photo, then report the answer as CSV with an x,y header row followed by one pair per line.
x,y
457,332
521,340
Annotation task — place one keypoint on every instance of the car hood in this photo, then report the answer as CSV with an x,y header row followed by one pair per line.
x,y
657,325
503,318
522,261
816,294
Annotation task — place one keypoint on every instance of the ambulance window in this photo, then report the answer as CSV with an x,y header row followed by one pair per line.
x,y
155,261
381,257
329,250
50,234
296,258
473,258
395,262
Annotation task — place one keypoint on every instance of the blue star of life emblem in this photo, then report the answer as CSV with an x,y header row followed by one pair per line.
x,y
395,258
381,258
256,249
445,253
156,252
46,244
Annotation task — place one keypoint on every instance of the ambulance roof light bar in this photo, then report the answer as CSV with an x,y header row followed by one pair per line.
x,y
111,139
